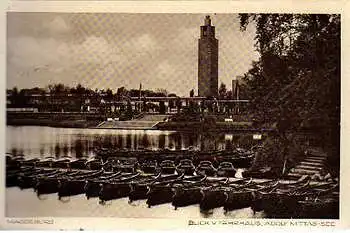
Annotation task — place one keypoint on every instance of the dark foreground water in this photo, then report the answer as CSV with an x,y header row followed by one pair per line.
x,y
35,141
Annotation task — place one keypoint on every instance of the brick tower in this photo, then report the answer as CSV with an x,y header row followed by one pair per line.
x,y
207,60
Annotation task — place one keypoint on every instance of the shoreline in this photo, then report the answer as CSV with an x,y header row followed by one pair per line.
x,y
52,123
172,126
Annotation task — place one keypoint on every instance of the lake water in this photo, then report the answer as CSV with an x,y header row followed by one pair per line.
x,y
35,141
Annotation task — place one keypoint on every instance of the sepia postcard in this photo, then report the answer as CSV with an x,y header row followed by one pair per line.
x,y
192,115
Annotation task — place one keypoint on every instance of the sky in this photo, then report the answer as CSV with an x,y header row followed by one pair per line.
x,y
110,50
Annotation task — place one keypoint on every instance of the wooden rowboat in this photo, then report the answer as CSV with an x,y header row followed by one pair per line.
x,y
140,190
12,176
167,167
162,192
206,168
49,184
186,166
116,189
75,185
92,185
26,181
226,169
188,192
149,166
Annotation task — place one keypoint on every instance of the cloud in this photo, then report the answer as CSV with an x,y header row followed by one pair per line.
x,y
46,59
113,50
94,50
28,52
56,25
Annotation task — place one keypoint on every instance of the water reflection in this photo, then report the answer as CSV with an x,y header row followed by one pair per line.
x,y
43,141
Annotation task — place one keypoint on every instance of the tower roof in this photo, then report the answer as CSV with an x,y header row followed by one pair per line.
x,y
207,21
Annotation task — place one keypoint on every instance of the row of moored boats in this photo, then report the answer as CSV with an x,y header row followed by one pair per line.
x,y
277,198
186,166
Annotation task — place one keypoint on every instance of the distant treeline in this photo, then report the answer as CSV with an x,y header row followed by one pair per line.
x,y
59,97
63,90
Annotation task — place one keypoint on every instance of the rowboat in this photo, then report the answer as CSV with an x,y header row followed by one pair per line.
x,y
206,168
167,167
188,192
78,163
239,157
242,196
226,169
12,175
26,181
11,163
62,162
186,166
216,195
212,197
263,197
281,202
162,192
322,207
149,166
46,162
262,173
321,202
116,189
94,164
30,162
139,190
126,165
92,185
75,185
49,184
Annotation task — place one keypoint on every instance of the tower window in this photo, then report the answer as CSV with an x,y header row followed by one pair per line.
x,y
205,31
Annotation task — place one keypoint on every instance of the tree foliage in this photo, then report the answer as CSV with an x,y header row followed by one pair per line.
x,y
296,81
222,91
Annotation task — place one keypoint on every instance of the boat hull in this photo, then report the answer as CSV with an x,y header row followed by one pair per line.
x,y
168,170
111,191
212,199
160,195
92,189
47,186
138,192
71,188
238,200
187,197
316,210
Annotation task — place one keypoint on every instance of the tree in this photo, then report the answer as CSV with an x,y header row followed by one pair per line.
x,y
13,96
192,93
222,91
297,78
121,91
129,113
229,95
109,94
58,89
161,92
161,107
178,104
